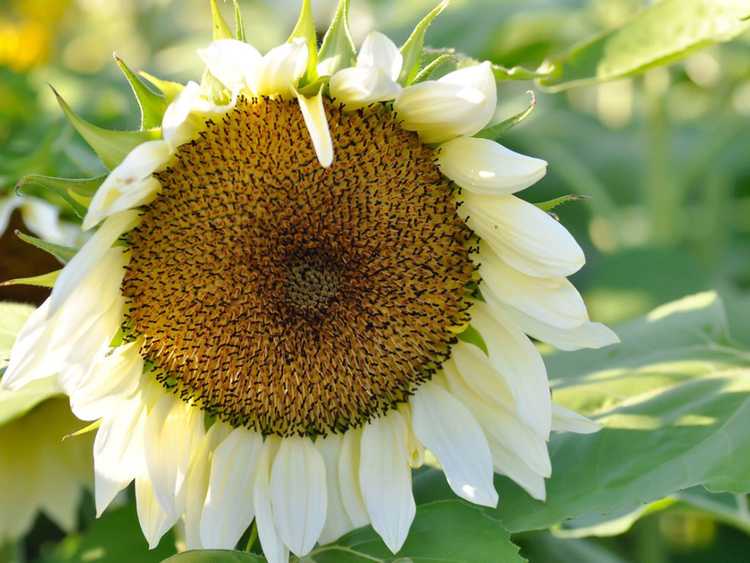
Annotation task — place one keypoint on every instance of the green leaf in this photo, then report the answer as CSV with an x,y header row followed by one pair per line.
x,y
517,73
429,69
12,318
152,105
305,29
15,404
62,253
662,33
495,131
110,146
215,556
411,50
551,204
44,280
167,87
114,538
239,23
674,403
77,192
337,43
219,26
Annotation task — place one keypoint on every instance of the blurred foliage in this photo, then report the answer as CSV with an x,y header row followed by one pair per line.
x,y
663,158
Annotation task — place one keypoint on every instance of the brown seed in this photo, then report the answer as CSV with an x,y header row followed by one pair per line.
x,y
291,298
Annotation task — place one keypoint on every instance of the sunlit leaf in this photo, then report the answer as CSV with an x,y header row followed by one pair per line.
x,y
496,130
62,253
77,192
110,146
305,29
674,401
337,50
152,105
412,48
662,33
219,26
239,24
44,280
551,204
167,87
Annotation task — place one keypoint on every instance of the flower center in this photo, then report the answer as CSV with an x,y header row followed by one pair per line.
x,y
290,298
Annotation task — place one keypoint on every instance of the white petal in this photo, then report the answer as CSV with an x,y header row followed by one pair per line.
x,y
485,167
229,501
450,431
522,235
316,121
89,256
511,465
113,378
298,494
130,184
172,427
87,321
351,494
231,62
187,113
501,425
118,451
566,420
281,69
357,87
337,521
385,479
379,52
196,484
43,219
154,521
460,103
587,335
517,360
553,301
7,206
274,548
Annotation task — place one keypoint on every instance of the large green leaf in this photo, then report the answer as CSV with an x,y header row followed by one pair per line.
x,y
674,401
448,531
113,538
662,33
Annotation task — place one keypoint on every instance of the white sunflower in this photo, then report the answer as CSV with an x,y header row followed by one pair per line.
x,y
272,318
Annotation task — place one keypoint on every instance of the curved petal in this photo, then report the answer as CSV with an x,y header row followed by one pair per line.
x,y
517,361
553,301
314,114
43,219
186,115
587,335
154,521
281,69
459,103
522,235
130,184
229,508
511,465
89,256
501,425
483,166
298,494
379,52
274,548
566,420
337,521
357,87
351,494
450,431
385,479
118,451
231,62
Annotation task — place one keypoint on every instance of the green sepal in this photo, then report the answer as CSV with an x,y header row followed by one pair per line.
x,y
517,73
62,253
152,105
85,430
239,22
43,280
473,336
305,28
311,90
76,192
551,204
110,146
337,42
169,89
219,26
496,130
437,62
412,49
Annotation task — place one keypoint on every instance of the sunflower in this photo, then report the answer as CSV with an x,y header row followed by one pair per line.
x,y
315,274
